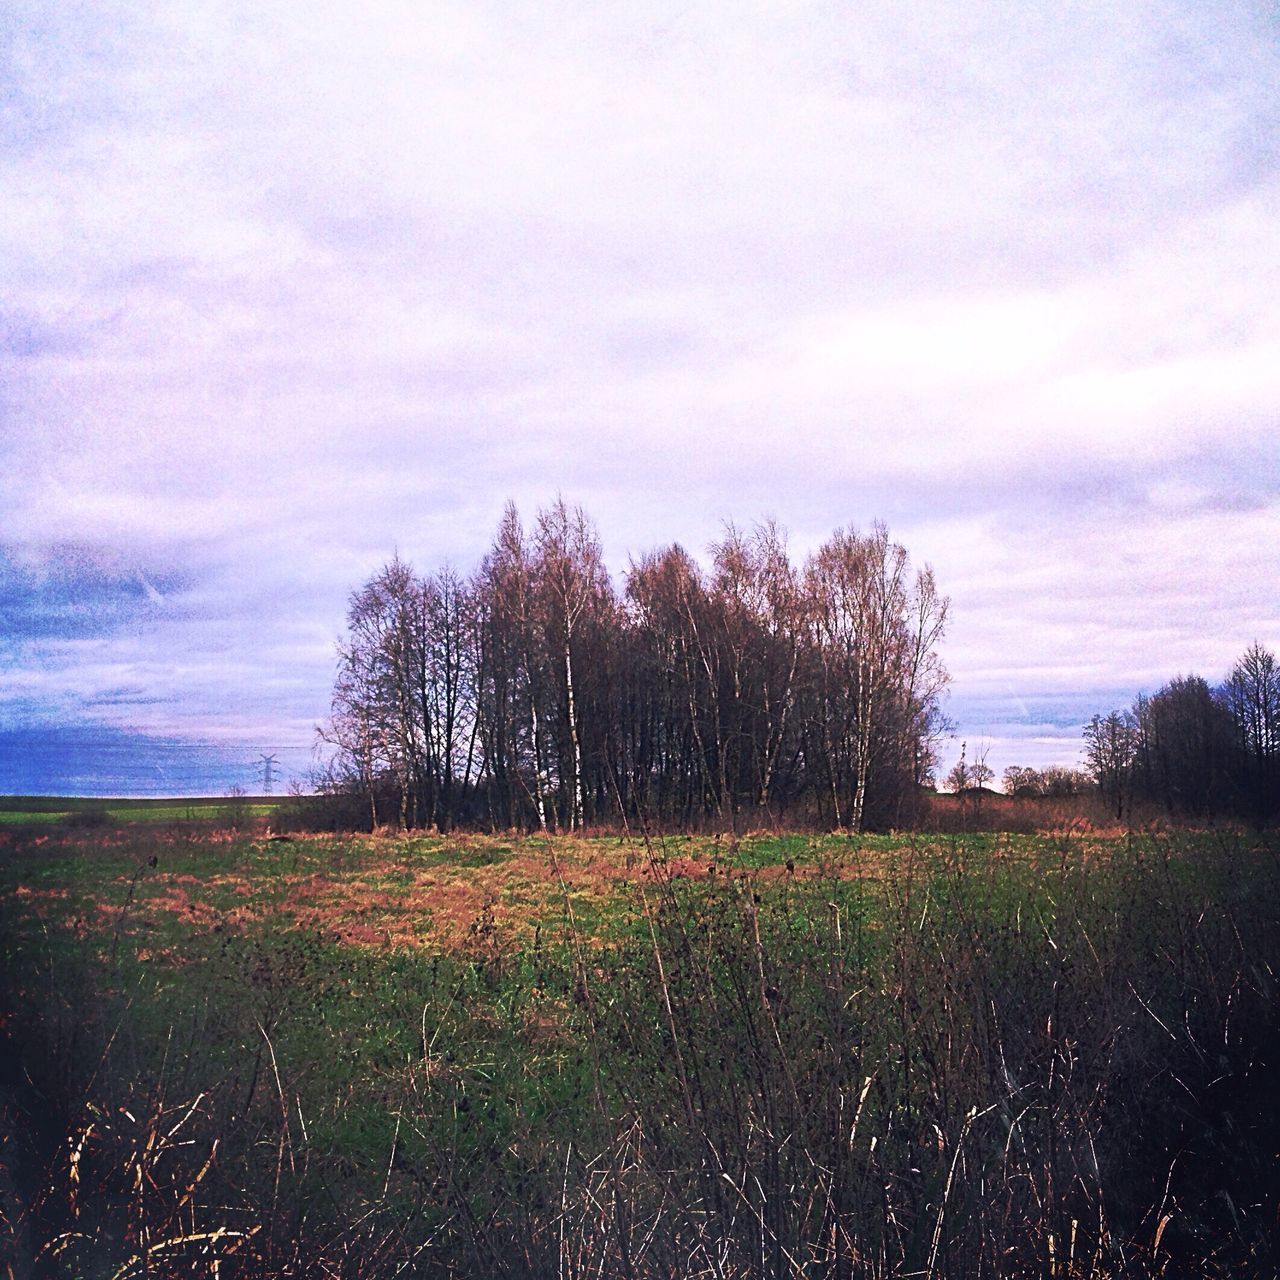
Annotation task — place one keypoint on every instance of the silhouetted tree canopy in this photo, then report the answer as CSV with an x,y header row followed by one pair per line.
x,y
1196,752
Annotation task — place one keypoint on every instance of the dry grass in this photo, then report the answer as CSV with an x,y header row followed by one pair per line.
x,y
391,891
781,1056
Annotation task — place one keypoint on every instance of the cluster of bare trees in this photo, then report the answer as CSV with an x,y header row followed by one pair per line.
x,y
536,693
1196,751
1054,781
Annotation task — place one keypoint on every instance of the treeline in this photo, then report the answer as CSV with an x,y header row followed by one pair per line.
x,y
537,693
1055,782
1194,750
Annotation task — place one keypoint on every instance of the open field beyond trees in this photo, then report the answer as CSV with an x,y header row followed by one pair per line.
x,y
79,811
872,1056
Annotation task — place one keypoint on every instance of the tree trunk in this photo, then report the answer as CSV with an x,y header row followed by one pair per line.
x,y
575,800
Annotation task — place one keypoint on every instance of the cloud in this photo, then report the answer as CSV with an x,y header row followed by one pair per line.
x,y
66,589
290,289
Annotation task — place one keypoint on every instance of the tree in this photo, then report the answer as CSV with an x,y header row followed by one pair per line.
x,y
1181,746
574,591
755,596
1059,781
446,689
1110,743
1196,751
958,780
969,775
1018,780
875,715
660,766
511,677
1252,699
981,773
533,693
366,725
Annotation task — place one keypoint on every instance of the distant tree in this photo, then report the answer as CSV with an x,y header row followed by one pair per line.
x,y
1057,780
1018,780
980,773
235,813
1251,696
1181,749
970,775
1110,744
1196,751
1053,780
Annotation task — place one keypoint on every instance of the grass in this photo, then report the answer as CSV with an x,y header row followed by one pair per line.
x,y
1000,1055
38,810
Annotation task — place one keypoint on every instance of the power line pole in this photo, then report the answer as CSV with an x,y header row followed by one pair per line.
x,y
267,763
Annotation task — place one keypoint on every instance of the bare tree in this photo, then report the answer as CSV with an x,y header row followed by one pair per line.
x,y
758,599
1110,748
446,688
671,616
875,630
1019,780
361,726
533,691
572,586
1252,697
971,775
511,674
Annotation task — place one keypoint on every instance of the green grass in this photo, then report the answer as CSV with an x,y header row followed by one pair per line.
x,y
42,809
830,1057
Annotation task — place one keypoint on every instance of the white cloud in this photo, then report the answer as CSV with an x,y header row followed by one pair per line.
x,y
292,287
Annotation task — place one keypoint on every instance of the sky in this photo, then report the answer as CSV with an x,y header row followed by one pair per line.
x,y
288,289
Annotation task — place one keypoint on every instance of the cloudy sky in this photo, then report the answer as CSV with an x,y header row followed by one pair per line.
x,y
286,288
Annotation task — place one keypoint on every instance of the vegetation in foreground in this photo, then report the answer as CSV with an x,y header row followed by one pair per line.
x,y
973,1055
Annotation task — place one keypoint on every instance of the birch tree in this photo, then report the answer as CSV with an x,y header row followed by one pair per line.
x,y
511,674
531,692
573,589
875,630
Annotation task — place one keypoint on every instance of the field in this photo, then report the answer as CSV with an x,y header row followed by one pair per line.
x,y
77,811
971,1055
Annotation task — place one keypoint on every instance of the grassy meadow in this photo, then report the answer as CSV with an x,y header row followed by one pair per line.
x,y
512,1056
75,811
